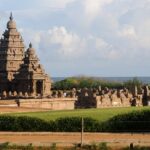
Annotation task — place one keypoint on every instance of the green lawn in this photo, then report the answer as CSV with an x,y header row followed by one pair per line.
x,y
99,114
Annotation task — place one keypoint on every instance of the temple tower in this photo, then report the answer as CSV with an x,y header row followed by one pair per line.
x,y
20,70
11,55
32,77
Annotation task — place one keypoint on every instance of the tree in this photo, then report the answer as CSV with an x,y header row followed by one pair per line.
x,y
130,84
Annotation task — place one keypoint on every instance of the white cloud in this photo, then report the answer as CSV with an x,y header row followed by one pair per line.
x,y
100,43
102,33
58,43
128,31
93,7
106,50
113,55
59,4
70,44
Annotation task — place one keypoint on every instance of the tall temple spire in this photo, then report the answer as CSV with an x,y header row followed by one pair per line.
x,y
11,23
19,69
11,16
30,50
30,45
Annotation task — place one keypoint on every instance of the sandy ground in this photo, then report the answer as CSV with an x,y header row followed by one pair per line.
x,y
47,138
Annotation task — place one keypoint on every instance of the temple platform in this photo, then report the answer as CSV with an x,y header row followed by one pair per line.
x,y
45,103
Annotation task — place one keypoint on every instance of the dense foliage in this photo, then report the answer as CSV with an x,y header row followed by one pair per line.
x,y
24,123
73,124
88,82
136,121
132,83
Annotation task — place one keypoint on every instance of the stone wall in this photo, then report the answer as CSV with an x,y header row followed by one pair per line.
x,y
83,98
51,104
98,98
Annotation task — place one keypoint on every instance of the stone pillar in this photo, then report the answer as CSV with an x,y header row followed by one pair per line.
x,y
135,92
43,83
15,93
9,94
20,94
99,88
145,96
34,87
4,94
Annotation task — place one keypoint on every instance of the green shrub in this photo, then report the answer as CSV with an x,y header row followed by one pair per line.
x,y
30,124
82,82
24,123
94,146
138,148
103,146
29,147
91,125
53,146
6,123
71,124
130,84
137,121
4,145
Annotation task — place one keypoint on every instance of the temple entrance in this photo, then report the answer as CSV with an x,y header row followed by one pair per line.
x,y
9,87
39,87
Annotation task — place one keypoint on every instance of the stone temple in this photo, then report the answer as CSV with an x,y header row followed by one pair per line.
x,y
20,71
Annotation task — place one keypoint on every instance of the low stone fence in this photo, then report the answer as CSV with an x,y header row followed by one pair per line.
x,y
52,104
11,103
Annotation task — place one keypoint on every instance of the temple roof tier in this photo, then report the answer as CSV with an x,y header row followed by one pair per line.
x,y
11,23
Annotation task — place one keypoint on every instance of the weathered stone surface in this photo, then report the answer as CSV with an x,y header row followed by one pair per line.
x,y
112,98
20,70
51,104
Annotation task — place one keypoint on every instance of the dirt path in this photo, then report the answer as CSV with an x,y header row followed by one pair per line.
x,y
46,138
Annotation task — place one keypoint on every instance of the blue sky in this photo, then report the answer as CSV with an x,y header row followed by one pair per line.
x,y
85,37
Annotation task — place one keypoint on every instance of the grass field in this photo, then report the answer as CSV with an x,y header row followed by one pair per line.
x,y
98,114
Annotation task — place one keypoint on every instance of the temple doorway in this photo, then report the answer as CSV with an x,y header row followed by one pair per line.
x,y
9,87
39,87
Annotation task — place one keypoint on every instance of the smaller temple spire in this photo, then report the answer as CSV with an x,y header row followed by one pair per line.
x,y
21,38
30,45
11,16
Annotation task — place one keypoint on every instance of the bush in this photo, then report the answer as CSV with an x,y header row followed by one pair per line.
x,y
68,124
7,123
138,148
137,121
130,84
24,123
73,124
91,125
82,82
4,145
